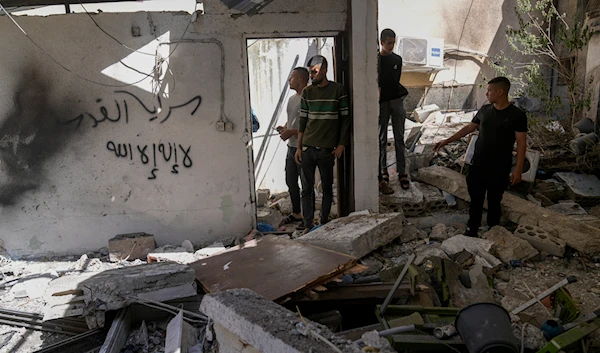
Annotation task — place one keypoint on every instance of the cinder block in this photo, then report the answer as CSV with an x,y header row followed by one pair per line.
x,y
411,202
435,201
130,246
541,239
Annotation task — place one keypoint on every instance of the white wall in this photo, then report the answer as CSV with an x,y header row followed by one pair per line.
x,y
63,189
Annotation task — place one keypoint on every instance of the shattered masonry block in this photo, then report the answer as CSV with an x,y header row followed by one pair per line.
x,y
130,246
357,235
508,246
411,202
541,240
421,114
264,325
435,201
581,188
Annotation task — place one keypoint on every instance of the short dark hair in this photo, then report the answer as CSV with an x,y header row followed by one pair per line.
x,y
387,33
502,81
303,72
316,60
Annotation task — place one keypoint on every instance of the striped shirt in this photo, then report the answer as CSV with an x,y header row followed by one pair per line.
x,y
324,116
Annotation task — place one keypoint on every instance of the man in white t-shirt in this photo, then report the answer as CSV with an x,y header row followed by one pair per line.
x,y
289,132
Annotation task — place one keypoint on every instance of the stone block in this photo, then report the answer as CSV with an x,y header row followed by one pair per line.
x,y
357,235
507,246
541,239
582,237
581,188
478,247
439,233
130,246
262,196
266,326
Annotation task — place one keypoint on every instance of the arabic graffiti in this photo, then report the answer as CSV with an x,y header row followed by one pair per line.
x,y
152,154
123,112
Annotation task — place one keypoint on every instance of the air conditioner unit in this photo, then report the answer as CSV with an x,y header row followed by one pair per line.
x,y
421,51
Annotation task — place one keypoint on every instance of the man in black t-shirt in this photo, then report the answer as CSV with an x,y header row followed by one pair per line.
x,y
500,124
391,104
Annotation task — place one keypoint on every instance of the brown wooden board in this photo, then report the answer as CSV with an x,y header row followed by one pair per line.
x,y
272,267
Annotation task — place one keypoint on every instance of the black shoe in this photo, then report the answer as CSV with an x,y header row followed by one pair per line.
x,y
472,233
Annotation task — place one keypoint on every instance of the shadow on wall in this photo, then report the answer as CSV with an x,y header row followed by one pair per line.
x,y
29,136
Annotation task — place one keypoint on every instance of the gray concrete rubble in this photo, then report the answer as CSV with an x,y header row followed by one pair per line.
x,y
357,235
480,248
130,246
508,246
91,294
266,326
424,252
433,197
568,207
439,233
411,201
581,188
580,236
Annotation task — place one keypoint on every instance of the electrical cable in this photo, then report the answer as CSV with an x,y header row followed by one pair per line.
x,y
84,78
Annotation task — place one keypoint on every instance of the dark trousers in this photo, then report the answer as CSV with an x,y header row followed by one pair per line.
x,y
481,180
395,110
313,158
292,173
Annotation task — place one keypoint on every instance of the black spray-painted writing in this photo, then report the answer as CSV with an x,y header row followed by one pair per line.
x,y
153,153
122,112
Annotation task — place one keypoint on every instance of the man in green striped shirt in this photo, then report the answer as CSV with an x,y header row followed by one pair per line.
x,y
323,130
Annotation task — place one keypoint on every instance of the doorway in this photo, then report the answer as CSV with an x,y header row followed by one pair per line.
x,y
270,62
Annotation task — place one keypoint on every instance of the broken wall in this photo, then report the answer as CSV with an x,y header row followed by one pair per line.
x,y
472,31
97,139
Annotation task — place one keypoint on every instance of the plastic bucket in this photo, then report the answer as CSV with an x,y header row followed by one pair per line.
x,y
486,328
585,126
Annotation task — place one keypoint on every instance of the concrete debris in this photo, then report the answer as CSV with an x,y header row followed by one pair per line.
x,y
410,232
356,235
439,233
531,198
461,296
508,246
181,336
450,199
86,264
595,211
33,287
478,247
411,202
214,249
421,114
266,326
172,253
284,205
425,252
551,189
543,199
433,197
188,246
420,158
375,343
92,294
581,188
533,336
568,208
580,236
130,246
541,240
374,266
457,221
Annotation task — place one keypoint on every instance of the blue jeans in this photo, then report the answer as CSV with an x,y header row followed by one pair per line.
x,y
313,158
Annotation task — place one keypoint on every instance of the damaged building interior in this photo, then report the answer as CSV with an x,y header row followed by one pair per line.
x,y
146,149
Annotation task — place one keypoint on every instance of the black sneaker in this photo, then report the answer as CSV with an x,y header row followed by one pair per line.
x,y
472,233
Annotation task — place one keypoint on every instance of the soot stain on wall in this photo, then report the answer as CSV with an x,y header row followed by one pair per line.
x,y
29,136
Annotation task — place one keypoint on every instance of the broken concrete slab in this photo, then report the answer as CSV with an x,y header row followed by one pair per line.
x,y
568,207
92,294
266,326
476,246
411,232
454,220
181,336
582,237
541,239
461,296
581,188
356,235
595,211
507,246
172,253
130,246
421,114
262,196
424,252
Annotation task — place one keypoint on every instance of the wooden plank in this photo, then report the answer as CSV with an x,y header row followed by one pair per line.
x,y
272,267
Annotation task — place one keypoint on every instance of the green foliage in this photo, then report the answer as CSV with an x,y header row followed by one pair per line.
x,y
542,33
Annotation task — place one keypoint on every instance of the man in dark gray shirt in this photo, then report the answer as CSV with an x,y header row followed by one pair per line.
x,y
391,104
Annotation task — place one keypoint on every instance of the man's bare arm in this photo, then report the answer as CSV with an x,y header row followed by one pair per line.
x,y
521,138
460,134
